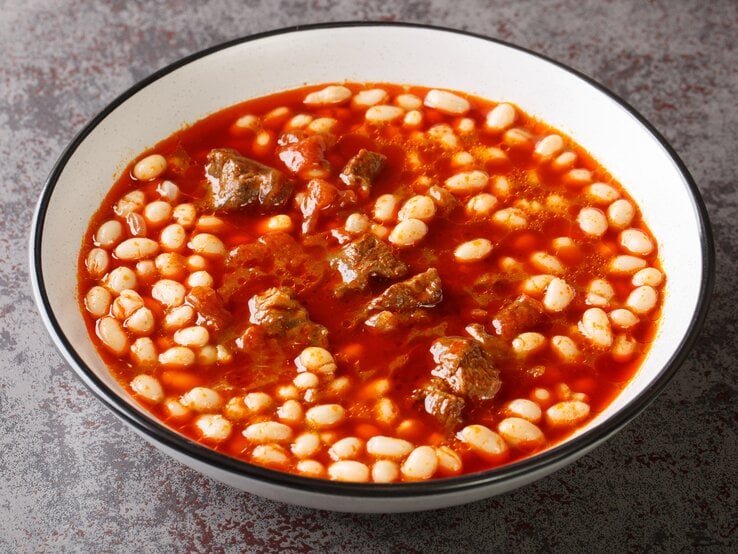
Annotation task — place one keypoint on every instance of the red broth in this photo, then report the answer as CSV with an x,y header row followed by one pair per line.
x,y
378,372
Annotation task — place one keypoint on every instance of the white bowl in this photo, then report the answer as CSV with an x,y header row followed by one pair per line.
x,y
617,136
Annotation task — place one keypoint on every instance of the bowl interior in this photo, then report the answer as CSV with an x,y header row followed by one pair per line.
x,y
397,54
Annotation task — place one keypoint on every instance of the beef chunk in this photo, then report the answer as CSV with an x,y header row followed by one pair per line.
x,y
466,368
238,183
210,307
275,259
521,314
363,259
281,316
303,154
322,197
362,169
445,407
420,291
495,347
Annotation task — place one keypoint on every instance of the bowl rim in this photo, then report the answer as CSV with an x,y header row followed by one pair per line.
x,y
551,457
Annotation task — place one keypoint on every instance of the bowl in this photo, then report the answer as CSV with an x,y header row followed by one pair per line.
x,y
190,89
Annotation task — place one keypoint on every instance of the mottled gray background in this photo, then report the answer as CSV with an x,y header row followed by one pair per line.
x,y
72,478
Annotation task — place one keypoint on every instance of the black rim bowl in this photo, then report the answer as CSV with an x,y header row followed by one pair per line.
x,y
552,456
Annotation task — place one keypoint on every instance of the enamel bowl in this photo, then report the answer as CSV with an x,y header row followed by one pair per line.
x,y
618,137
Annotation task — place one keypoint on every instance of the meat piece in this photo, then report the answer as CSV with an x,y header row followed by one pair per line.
x,y
445,407
281,316
363,259
495,347
273,260
304,154
322,197
362,169
420,291
466,368
210,307
238,183
521,314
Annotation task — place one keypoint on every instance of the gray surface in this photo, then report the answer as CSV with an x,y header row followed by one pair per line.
x,y
74,479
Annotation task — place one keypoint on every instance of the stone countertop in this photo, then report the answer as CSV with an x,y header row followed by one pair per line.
x,y
73,478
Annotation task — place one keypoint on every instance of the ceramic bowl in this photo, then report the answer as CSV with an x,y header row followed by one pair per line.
x,y
188,90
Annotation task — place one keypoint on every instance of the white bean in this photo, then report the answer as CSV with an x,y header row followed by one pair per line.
x,y
214,427
386,411
513,218
207,245
141,322
620,213
626,265
559,295
385,471
168,190
592,222
316,360
97,262
484,442
148,387
418,207
173,237
177,356
168,292
565,348
420,464
623,318
235,409
270,455
179,317
623,348
500,117
369,97
567,414
648,276
408,232
157,213
131,202
325,416
549,146
306,445
332,94
642,299
136,224
356,224
136,249
385,208
207,355
520,433
97,301
481,205
143,352
595,325
449,462
578,177
473,250
529,343
112,335
408,102
543,261
636,241
195,336
413,118
185,215
120,279
281,223
347,448
599,293
602,193
536,285
467,182
150,167
258,402
446,102
388,447
200,279
383,113
349,470
268,431
109,233
517,138
524,408
306,380
310,468
170,264
291,412
300,121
